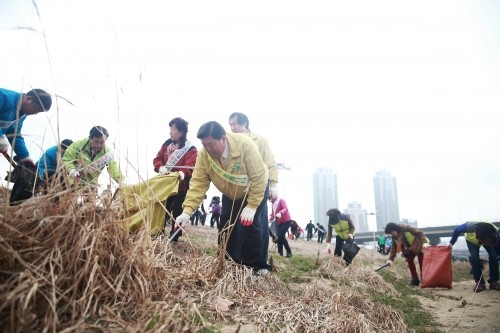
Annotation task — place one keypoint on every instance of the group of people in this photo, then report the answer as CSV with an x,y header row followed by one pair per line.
x,y
384,244
241,166
412,243
66,162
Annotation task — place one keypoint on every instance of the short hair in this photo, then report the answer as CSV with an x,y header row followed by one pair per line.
x,y
213,129
333,212
241,119
98,131
486,234
66,143
391,226
182,126
40,97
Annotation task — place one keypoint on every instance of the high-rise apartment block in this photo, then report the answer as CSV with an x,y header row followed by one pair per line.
x,y
325,194
358,216
386,199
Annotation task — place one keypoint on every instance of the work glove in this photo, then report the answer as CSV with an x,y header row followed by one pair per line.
x,y
163,170
389,263
181,175
426,245
328,248
182,220
350,236
27,160
273,192
246,216
73,173
278,216
4,144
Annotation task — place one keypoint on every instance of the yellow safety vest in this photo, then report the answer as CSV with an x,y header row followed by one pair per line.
x,y
342,228
471,236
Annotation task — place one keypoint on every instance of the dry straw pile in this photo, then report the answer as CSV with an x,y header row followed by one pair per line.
x,y
67,266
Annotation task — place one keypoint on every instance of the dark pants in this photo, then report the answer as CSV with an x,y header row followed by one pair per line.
x,y
174,206
410,259
476,262
244,244
282,241
264,226
338,246
214,219
321,236
309,235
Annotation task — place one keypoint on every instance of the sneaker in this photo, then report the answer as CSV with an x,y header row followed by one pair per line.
x,y
415,282
288,255
495,286
260,272
480,286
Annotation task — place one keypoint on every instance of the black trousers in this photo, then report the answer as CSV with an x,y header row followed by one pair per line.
x,y
174,206
244,244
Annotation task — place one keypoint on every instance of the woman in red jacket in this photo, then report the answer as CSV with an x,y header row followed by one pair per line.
x,y
177,154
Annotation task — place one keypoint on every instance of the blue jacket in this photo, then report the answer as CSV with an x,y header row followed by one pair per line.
x,y
10,124
48,162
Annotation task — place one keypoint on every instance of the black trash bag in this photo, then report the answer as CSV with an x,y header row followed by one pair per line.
x,y
273,230
350,249
24,177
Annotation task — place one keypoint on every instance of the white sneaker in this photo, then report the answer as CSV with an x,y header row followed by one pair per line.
x,y
262,271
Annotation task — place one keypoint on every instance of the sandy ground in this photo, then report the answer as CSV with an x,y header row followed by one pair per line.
x,y
457,310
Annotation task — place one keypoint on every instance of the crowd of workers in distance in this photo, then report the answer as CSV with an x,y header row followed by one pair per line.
x,y
241,166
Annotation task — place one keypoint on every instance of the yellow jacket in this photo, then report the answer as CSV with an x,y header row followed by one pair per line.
x,y
243,159
267,155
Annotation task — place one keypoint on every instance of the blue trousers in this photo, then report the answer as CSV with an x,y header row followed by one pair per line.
x,y
476,262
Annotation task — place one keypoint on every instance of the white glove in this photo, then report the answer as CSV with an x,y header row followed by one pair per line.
x,y
273,192
246,216
4,144
278,216
28,160
328,248
73,173
389,263
181,175
350,236
426,245
163,170
182,220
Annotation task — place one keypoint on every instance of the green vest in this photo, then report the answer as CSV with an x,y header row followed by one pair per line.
x,y
471,236
342,228
410,238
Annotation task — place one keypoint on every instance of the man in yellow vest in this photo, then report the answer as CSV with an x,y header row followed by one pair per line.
x,y
412,243
344,228
240,123
234,165
479,234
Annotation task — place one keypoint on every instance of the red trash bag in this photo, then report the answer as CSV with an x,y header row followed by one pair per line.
x,y
437,271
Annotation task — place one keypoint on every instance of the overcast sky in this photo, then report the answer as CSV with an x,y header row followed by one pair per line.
x,y
412,87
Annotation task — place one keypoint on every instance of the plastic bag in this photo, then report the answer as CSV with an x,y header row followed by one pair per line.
x,y
437,270
273,229
350,250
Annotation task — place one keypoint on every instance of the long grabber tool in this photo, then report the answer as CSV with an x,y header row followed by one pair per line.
x,y
381,267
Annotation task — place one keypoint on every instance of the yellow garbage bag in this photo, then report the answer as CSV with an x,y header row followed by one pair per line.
x,y
144,203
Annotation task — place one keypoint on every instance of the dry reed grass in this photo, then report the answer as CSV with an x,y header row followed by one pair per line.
x,y
68,267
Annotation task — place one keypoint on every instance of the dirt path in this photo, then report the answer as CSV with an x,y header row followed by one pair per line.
x,y
457,310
